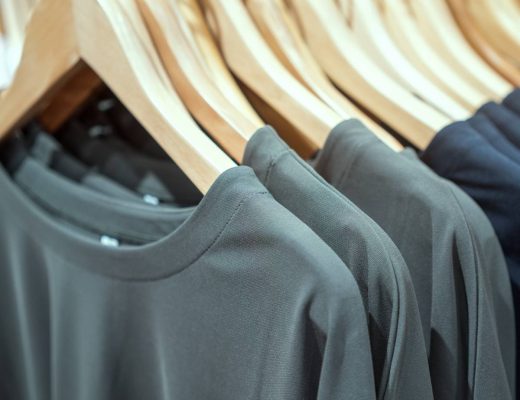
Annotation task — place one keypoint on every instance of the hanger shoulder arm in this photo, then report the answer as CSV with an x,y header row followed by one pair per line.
x,y
38,74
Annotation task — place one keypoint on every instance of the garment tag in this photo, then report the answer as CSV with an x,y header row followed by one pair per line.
x,y
148,198
109,241
105,104
98,131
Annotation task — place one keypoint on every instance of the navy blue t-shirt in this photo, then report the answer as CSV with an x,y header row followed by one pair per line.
x,y
494,136
459,153
506,120
512,101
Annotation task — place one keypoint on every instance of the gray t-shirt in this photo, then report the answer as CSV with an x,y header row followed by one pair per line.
x,y
242,300
456,263
398,349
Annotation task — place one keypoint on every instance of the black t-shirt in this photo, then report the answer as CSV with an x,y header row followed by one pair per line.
x,y
139,172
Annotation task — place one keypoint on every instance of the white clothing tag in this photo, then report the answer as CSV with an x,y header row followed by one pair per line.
x,y
109,241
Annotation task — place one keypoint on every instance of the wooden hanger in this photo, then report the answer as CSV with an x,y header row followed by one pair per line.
x,y
368,27
282,35
74,94
2,29
15,14
202,98
210,58
5,77
253,62
340,56
492,18
438,27
98,33
479,42
406,34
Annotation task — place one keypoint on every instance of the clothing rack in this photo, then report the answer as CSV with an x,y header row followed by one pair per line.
x,y
259,199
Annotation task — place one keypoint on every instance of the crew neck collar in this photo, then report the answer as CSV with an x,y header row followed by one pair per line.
x,y
156,260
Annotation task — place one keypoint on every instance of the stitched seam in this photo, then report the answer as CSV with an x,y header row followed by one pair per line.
x,y
166,275
235,212
272,163
124,236
384,388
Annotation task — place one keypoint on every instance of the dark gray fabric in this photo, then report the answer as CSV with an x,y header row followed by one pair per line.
x,y
127,127
48,151
242,300
128,222
115,159
109,115
398,348
456,263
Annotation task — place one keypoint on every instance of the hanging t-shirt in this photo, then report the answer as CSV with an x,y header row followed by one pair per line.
x,y
512,101
115,159
48,151
461,306
127,127
398,349
242,300
507,121
491,179
482,124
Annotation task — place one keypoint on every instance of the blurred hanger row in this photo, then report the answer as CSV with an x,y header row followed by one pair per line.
x,y
203,76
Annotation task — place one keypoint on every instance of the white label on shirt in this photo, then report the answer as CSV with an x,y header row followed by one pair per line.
x,y
109,241
148,198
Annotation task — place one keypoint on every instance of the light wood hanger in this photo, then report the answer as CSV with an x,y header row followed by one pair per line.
x,y
253,62
492,18
282,35
2,29
75,93
5,78
202,98
479,42
338,53
443,34
211,59
15,15
98,33
406,34
365,21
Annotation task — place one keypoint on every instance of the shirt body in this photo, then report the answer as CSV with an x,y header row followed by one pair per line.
x,y
398,348
241,300
491,179
512,101
506,120
426,220
483,125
